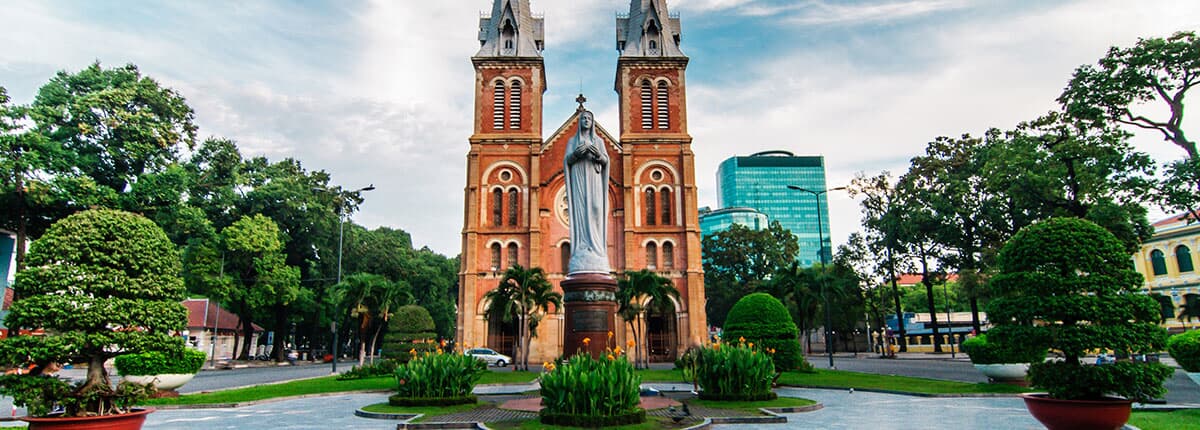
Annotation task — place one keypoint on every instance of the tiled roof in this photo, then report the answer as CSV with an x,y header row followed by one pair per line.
x,y
915,278
1172,220
216,315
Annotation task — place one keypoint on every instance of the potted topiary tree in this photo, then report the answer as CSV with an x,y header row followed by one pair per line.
x,y
1185,349
164,371
1000,363
1066,284
410,333
101,283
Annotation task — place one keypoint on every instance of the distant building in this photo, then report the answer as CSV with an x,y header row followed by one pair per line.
x,y
713,221
761,181
204,319
1168,261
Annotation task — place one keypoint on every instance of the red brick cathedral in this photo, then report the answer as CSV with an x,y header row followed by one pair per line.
x,y
515,198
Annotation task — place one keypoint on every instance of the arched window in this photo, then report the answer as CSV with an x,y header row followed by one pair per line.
x,y
664,114
665,196
653,47
497,207
508,33
514,208
512,254
514,106
498,106
651,256
668,252
650,213
1158,263
647,105
565,255
1183,257
495,256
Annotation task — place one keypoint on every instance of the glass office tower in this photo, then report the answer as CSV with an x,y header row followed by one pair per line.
x,y
713,221
761,181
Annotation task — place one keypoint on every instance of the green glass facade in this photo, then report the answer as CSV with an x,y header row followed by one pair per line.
x,y
721,219
761,182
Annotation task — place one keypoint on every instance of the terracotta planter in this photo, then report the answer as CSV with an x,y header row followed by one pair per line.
x,y
129,421
167,381
1004,372
1057,414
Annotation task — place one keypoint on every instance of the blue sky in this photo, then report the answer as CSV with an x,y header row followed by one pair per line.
x,y
380,92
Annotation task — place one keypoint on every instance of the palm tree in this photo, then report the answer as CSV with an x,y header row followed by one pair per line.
x,y
640,287
369,297
1190,308
524,294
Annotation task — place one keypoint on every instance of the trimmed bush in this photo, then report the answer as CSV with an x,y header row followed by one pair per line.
x,y
158,363
1185,349
983,352
385,367
762,319
589,392
735,371
1066,284
410,330
437,380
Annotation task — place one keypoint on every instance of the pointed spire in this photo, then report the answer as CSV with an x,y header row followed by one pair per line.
x,y
648,30
511,30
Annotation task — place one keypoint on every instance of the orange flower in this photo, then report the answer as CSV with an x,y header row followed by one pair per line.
x,y
742,339
413,351
751,344
587,341
630,343
610,334
610,357
617,351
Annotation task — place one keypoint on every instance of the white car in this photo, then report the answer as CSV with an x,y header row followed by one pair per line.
x,y
490,357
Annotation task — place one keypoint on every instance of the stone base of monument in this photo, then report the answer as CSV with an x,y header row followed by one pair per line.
x,y
589,308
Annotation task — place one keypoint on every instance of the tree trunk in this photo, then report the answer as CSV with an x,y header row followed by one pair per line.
x,y
364,325
21,215
237,340
247,333
375,338
937,340
281,315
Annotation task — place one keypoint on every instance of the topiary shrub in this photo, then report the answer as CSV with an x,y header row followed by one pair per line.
x,y
1185,349
735,372
762,319
410,334
1066,284
439,379
102,283
591,392
983,352
157,363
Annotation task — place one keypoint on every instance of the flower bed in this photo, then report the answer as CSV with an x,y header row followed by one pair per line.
x,y
589,392
734,372
439,379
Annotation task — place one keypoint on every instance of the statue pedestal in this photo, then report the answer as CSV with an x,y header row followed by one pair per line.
x,y
589,311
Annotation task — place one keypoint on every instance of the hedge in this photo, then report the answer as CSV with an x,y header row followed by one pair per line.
x,y
763,320
157,363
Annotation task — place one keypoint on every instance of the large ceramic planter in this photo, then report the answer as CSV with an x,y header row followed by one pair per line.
x,y
165,382
129,421
1013,373
1057,414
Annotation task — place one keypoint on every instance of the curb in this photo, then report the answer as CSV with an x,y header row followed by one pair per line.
x,y
906,393
386,416
263,401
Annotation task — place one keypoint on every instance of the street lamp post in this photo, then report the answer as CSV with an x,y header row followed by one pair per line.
x,y
824,263
341,233
949,322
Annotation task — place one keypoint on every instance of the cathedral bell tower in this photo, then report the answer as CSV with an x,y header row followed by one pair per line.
x,y
499,226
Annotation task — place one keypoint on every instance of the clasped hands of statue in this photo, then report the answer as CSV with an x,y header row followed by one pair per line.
x,y
588,152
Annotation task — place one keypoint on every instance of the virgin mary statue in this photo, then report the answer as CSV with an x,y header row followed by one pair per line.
x,y
586,171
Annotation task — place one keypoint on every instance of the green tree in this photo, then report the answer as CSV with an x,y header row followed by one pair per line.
x,y
881,220
526,295
638,294
101,283
1155,70
371,299
738,259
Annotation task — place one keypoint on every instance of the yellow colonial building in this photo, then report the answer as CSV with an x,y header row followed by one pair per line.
x,y
1168,261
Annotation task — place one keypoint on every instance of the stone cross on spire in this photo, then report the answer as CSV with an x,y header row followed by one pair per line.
x,y
581,100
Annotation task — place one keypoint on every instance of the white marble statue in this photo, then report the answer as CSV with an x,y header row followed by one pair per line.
x,y
586,170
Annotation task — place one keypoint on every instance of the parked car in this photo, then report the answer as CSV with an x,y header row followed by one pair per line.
x,y
490,357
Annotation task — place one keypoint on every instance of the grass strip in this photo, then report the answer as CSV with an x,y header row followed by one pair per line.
x,y
322,385
1188,419
904,384
429,411
659,375
782,402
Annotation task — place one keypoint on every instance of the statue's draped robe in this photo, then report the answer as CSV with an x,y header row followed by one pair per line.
x,y
586,171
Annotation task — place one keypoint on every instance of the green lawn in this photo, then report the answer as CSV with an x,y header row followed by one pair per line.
x,y
1175,420
429,411
844,379
327,384
652,375
782,402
